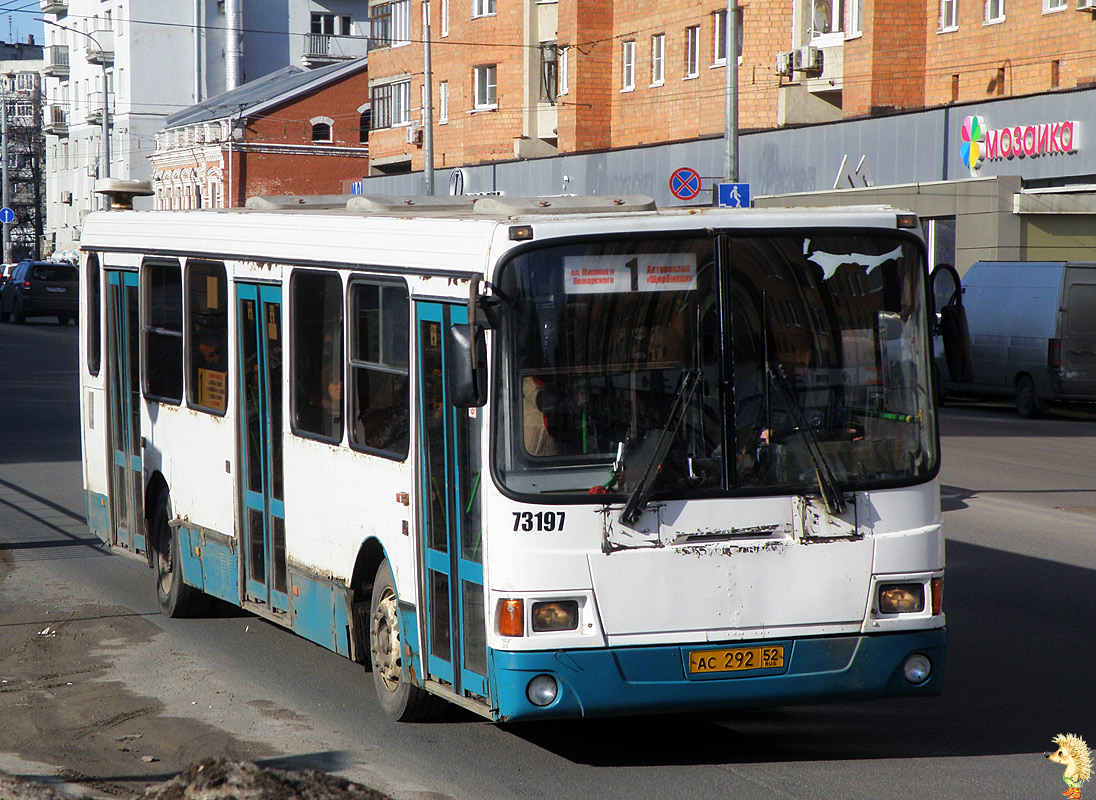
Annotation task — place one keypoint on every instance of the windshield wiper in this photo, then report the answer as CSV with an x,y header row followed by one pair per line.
x,y
637,500
828,486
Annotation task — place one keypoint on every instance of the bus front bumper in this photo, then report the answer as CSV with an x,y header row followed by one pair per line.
x,y
656,679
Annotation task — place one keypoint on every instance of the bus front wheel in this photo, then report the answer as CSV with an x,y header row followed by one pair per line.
x,y
176,598
399,698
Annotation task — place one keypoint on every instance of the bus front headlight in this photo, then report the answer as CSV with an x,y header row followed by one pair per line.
x,y
901,598
555,615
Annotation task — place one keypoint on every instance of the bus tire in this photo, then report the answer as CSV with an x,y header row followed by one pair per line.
x,y
176,598
400,699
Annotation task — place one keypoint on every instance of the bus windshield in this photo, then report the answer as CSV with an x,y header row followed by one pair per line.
x,y
756,364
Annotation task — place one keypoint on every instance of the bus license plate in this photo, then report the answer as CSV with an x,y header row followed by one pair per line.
x,y
736,659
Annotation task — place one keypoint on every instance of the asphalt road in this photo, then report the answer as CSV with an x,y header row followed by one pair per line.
x,y
1020,507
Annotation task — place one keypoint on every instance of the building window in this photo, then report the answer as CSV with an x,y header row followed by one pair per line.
x,y
391,104
995,11
365,124
564,75
162,288
379,368
444,18
719,37
321,129
390,24
549,72
317,356
482,8
627,66
949,15
486,88
443,102
1055,68
692,51
25,81
827,17
856,18
330,24
1054,5
658,59
207,311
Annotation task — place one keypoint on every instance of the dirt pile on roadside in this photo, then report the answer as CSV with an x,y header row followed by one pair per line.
x,y
217,779
223,779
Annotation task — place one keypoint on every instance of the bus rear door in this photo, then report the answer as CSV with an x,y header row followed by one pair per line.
x,y
124,409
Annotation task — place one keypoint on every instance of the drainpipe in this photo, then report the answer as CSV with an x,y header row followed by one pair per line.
x,y
198,34
233,45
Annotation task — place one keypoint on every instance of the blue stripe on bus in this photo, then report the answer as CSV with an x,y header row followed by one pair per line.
x,y
319,608
98,515
653,680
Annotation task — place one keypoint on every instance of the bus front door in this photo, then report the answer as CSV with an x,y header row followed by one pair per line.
x,y
259,332
449,443
124,409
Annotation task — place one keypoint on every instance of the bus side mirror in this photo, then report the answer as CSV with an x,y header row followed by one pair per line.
x,y
466,366
952,325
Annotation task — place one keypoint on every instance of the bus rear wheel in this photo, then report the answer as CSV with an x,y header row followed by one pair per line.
x,y
399,698
176,598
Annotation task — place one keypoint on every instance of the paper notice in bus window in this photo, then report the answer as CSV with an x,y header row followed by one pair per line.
x,y
650,272
211,388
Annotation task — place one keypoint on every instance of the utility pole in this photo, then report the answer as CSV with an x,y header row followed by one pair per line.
x,y
730,117
4,177
427,104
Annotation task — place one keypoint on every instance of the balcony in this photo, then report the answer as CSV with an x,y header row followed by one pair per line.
x,y
95,114
57,61
56,121
322,49
58,7
101,48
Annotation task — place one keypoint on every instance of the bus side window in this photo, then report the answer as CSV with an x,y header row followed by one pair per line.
x,y
207,327
162,286
317,317
94,291
379,345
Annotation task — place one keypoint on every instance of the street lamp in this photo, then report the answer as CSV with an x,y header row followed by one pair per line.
x,y
106,106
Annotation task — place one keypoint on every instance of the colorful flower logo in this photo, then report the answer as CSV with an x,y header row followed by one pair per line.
x,y
972,150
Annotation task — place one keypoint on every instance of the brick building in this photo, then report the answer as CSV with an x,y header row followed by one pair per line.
x,y
545,77
294,131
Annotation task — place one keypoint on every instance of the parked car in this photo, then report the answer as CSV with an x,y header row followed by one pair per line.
x,y
40,288
1032,331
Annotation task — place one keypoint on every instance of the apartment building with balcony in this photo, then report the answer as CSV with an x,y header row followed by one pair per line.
x,y
21,66
155,59
527,78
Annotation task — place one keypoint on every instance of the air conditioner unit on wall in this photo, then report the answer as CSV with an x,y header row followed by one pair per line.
x,y
414,134
66,198
784,63
807,59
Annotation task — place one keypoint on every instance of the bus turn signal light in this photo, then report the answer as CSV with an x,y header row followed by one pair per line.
x,y
937,595
511,617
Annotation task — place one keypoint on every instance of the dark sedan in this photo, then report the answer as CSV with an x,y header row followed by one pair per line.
x,y
40,288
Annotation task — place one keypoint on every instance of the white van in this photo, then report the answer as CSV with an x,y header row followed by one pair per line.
x,y
1032,330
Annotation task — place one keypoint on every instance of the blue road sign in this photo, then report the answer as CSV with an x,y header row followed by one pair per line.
x,y
7,215
685,183
734,195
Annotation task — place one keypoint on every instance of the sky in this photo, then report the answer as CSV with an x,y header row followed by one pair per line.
x,y
17,20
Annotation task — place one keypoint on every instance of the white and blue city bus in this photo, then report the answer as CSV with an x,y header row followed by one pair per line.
x,y
546,458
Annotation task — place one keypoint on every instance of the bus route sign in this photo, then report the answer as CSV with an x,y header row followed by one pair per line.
x,y
685,183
